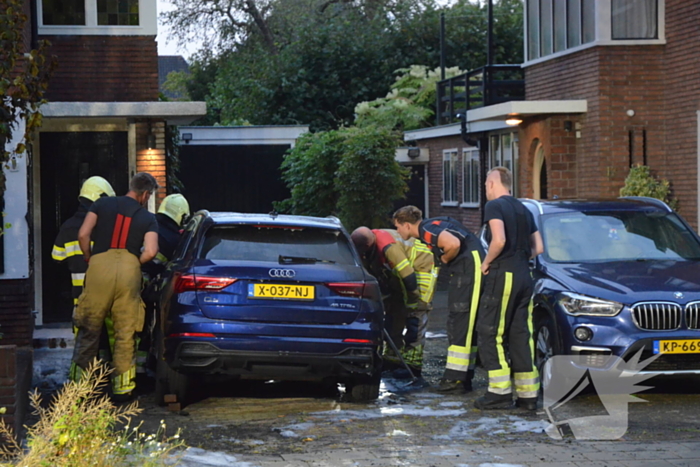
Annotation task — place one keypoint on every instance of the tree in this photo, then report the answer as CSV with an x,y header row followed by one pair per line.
x,y
331,55
351,173
410,103
24,77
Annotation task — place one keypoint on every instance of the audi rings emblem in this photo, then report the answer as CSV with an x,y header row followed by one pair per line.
x,y
284,273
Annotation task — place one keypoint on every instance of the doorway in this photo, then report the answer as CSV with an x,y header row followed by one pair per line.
x,y
67,160
539,172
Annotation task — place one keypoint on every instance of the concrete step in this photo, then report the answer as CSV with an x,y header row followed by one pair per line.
x,y
54,337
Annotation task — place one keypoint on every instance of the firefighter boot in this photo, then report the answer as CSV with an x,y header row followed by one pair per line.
x,y
491,401
527,403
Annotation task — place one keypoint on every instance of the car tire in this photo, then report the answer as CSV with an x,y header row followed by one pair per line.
x,y
546,345
365,390
169,381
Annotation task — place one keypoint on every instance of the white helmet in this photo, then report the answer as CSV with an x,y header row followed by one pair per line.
x,y
95,187
175,207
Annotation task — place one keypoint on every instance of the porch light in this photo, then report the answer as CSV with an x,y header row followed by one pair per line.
x,y
513,121
150,138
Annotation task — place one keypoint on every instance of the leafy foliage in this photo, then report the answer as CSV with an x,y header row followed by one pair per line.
x,y
410,103
641,182
351,173
24,78
79,428
330,55
369,179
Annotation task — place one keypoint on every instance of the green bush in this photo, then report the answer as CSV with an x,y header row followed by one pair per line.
x,y
351,173
640,182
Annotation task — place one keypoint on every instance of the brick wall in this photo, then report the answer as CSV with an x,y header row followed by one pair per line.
x,y
657,82
470,217
104,69
16,319
681,94
15,380
152,160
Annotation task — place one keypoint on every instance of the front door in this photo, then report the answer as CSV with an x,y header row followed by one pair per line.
x,y
67,160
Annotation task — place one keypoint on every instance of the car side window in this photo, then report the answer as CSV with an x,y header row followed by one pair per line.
x,y
187,234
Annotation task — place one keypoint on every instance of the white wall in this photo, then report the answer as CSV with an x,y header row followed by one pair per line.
x,y
16,204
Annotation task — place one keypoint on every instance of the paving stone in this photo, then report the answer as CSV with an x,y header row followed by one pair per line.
x,y
630,455
685,462
648,463
599,464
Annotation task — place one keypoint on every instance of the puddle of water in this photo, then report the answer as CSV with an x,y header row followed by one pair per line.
x,y
471,429
195,457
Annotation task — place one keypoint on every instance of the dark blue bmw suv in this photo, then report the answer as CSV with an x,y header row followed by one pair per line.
x,y
257,296
617,276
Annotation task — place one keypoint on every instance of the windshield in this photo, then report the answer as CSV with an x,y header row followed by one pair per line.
x,y
617,236
276,244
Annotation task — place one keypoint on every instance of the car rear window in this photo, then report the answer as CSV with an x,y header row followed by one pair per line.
x,y
266,243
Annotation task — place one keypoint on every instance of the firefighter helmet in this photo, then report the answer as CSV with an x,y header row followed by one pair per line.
x,y
175,207
95,187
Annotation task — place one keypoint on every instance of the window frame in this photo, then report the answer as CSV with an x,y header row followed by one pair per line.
x,y
602,33
470,155
454,177
499,159
148,22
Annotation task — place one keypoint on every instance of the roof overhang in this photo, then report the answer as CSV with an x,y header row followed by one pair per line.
x,y
493,117
285,135
175,113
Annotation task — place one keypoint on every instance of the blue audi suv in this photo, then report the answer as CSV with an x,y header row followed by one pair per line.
x,y
268,297
616,277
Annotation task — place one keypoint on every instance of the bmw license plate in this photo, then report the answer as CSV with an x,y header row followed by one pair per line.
x,y
282,291
678,346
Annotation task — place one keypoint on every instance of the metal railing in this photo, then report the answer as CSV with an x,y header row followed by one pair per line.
x,y
488,85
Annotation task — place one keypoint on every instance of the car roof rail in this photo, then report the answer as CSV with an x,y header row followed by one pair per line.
x,y
535,202
647,199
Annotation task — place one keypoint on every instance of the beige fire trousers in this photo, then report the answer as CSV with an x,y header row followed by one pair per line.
x,y
112,289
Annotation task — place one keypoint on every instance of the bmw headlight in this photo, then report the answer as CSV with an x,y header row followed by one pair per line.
x,y
581,305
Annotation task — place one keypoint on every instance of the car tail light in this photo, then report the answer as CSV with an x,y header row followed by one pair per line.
x,y
193,334
356,289
359,341
185,282
347,289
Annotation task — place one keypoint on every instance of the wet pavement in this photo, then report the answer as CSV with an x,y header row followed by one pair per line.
x,y
301,424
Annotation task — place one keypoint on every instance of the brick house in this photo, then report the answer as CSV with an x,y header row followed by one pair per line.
x,y
607,84
102,118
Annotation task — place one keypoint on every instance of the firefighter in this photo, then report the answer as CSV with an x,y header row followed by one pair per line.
x,y
461,253
411,283
124,236
505,314
66,246
171,217
172,214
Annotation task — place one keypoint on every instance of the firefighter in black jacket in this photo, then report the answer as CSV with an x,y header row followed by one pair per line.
x,y
461,253
505,315
66,248
172,214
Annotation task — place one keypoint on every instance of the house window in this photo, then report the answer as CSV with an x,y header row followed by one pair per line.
x,y
449,177
63,12
503,152
634,19
118,12
470,177
553,26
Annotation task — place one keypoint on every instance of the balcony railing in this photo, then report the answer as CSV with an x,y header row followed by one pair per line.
x,y
488,85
